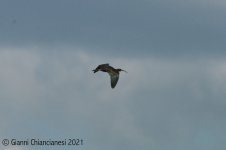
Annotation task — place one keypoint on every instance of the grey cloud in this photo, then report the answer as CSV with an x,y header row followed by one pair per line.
x,y
162,28
163,104
48,49
183,110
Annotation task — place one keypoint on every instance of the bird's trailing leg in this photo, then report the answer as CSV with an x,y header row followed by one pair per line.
x,y
124,71
121,70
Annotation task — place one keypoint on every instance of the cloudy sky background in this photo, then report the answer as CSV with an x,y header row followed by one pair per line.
x,y
173,96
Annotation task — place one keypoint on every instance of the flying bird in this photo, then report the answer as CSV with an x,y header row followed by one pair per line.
x,y
114,73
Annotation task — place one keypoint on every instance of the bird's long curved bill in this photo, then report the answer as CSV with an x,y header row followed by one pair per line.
x,y
125,71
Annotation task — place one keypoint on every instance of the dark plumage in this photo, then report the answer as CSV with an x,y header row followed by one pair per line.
x,y
114,73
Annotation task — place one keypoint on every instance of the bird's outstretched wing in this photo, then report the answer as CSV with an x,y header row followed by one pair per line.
x,y
114,79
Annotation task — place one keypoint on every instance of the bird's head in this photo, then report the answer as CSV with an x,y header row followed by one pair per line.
x,y
121,70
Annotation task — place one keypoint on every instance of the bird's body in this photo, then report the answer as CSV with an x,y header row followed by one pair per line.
x,y
114,73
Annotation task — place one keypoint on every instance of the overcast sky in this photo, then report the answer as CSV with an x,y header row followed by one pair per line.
x,y
173,96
